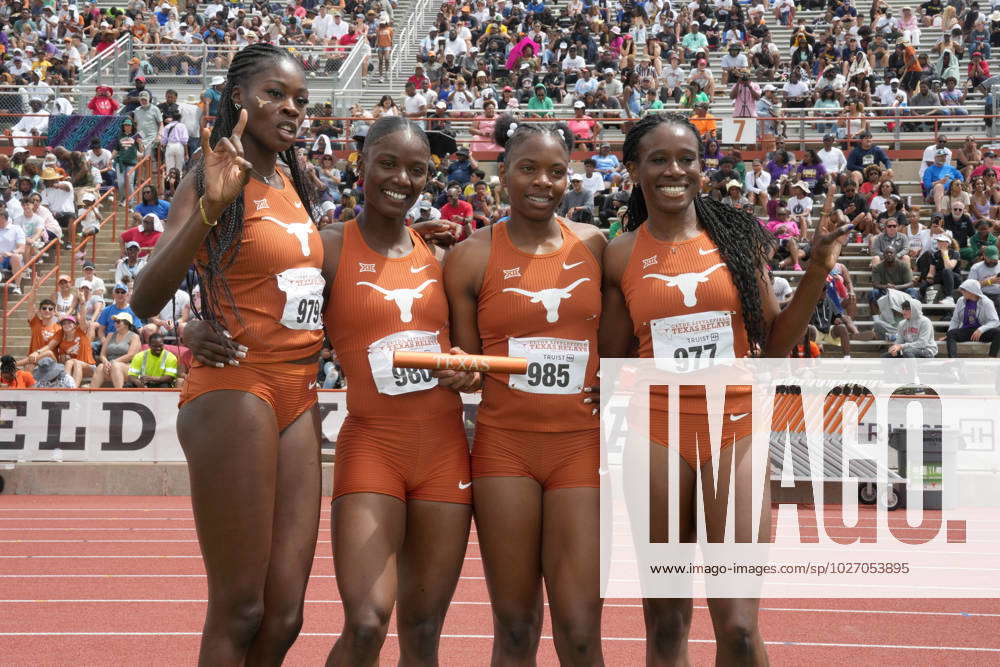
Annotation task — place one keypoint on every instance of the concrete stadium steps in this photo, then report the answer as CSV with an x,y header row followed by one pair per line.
x,y
107,255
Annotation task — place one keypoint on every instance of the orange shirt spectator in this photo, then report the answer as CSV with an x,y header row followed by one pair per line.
x,y
72,345
383,38
19,380
42,330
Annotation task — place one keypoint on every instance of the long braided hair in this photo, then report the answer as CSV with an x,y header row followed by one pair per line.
x,y
742,241
222,245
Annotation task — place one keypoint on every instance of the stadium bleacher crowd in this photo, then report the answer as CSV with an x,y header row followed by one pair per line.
x,y
831,88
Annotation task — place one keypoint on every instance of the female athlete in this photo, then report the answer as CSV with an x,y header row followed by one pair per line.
x,y
531,287
673,234
402,496
250,429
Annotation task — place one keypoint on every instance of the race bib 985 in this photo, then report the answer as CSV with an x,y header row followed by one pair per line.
x,y
555,365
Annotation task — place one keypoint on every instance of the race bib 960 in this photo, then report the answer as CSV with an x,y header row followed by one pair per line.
x,y
396,381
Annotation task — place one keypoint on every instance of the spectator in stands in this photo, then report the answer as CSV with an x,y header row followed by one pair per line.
x,y
576,198
757,182
152,203
458,210
891,274
89,307
101,159
58,196
983,238
130,265
103,104
174,141
988,165
65,297
924,98
915,334
118,348
975,319
833,325
30,128
952,96
12,248
126,152
788,254
887,314
145,236
461,168
71,347
212,95
89,275
540,105
49,374
172,319
586,130
154,367
13,378
938,267
937,178
866,154
120,304
987,273
148,120
704,122
959,223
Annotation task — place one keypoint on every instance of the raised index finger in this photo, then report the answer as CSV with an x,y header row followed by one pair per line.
x,y
205,148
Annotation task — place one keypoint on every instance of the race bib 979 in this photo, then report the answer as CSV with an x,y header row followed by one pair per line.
x,y
303,288
396,381
555,365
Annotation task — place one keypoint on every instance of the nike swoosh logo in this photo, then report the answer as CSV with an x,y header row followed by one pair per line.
x,y
297,204
602,471
707,252
567,267
313,384
419,268
736,418
463,487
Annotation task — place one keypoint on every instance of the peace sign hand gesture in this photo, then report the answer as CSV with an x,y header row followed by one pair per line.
x,y
226,171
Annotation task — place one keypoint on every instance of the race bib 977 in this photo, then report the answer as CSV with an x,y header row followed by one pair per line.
x,y
555,365
303,288
690,340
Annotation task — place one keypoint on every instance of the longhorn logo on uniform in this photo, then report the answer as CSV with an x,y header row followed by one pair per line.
x,y
549,298
300,230
687,283
403,298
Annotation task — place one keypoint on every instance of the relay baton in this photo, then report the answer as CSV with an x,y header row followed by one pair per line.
x,y
437,361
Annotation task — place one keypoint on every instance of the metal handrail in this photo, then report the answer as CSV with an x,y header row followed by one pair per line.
x,y
92,71
112,196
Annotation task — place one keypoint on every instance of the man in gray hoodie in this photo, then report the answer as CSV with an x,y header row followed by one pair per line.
x,y
889,316
914,335
975,318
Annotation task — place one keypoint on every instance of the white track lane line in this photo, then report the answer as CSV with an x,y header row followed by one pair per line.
x,y
470,603
909,647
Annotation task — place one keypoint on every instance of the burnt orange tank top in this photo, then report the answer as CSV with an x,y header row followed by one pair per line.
x,y
381,304
684,305
546,308
277,278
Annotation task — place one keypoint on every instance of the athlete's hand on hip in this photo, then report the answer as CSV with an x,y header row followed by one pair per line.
x,y
464,381
226,170
593,395
827,242
212,347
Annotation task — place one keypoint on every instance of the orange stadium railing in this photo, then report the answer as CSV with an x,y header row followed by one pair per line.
x,y
38,279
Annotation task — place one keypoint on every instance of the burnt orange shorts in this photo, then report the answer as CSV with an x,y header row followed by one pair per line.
x,y
565,460
290,389
425,459
695,439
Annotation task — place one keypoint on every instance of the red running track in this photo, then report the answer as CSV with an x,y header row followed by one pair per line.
x,y
112,580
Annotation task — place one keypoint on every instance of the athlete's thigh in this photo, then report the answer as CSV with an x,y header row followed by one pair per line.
x,y
296,511
571,551
431,559
367,531
508,514
741,478
230,439
673,612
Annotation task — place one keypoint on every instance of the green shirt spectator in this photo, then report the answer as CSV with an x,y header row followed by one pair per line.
x,y
541,102
695,41
155,367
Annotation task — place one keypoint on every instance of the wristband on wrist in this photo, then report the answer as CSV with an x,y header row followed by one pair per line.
x,y
204,216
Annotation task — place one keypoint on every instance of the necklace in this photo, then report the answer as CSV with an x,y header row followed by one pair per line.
x,y
266,179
